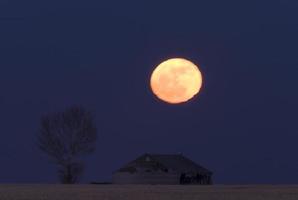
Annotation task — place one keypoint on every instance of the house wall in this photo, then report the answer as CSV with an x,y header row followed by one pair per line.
x,y
146,178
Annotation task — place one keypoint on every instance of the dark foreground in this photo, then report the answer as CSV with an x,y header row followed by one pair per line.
x,y
138,192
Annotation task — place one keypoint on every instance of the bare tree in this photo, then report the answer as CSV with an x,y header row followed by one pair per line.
x,y
66,137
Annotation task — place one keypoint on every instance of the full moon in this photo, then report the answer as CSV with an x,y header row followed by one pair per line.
x,y
176,80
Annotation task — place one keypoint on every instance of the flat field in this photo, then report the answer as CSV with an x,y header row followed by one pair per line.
x,y
146,192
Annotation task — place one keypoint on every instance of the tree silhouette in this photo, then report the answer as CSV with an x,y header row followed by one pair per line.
x,y
66,137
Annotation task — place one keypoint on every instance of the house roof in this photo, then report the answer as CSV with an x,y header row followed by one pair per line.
x,y
175,162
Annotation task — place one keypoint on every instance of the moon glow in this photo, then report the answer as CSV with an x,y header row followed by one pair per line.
x,y
176,80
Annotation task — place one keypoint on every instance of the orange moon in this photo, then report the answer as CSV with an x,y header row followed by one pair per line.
x,y
176,80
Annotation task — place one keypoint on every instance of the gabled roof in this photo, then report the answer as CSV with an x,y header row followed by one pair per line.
x,y
179,163
176,162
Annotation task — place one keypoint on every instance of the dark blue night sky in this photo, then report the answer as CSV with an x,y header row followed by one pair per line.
x,y
100,54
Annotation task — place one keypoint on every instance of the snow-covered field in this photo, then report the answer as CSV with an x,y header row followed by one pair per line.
x,y
138,192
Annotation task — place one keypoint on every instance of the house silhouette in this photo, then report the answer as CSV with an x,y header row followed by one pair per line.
x,y
162,169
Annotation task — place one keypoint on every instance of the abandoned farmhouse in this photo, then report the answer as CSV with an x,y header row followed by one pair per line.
x,y
162,169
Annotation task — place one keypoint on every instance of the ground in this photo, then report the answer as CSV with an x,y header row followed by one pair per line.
x,y
138,192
